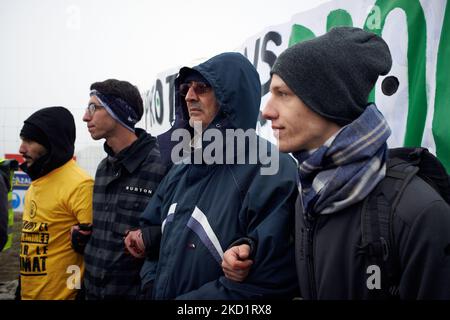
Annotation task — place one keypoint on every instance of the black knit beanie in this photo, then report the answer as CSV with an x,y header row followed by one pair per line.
x,y
54,128
333,74
32,132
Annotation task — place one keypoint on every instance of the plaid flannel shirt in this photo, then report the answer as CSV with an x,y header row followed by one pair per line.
x,y
123,186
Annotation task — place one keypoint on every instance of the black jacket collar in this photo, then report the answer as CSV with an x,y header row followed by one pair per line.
x,y
132,156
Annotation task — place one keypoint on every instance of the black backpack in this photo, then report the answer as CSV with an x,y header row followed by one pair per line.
x,y
379,208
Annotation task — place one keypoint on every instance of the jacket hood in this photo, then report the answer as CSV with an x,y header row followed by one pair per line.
x,y
58,124
236,85
237,88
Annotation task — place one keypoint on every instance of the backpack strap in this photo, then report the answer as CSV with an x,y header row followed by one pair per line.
x,y
377,214
431,170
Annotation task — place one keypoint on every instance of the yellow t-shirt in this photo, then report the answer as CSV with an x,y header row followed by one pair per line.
x,y
49,267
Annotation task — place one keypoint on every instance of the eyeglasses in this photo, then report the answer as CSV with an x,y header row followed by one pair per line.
x,y
198,87
92,107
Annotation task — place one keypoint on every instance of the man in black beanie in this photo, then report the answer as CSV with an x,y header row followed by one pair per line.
x,y
59,197
320,112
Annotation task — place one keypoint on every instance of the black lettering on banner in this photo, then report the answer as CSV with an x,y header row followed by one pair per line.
x,y
159,92
148,103
170,80
268,56
256,54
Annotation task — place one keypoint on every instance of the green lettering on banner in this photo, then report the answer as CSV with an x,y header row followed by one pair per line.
x,y
417,42
374,19
339,18
300,33
335,18
441,129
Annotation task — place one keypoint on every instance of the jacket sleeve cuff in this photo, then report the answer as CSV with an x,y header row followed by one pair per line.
x,y
151,235
245,240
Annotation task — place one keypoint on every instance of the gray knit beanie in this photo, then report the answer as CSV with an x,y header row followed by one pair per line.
x,y
333,74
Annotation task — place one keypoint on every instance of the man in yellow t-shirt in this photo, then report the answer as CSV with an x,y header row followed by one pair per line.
x,y
60,196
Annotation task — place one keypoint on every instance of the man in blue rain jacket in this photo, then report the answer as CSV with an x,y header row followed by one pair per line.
x,y
204,204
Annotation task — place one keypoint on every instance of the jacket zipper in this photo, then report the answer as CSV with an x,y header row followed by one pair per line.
x,y
310,230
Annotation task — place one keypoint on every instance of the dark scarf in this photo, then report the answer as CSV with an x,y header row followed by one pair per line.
x,y
39,168
347,167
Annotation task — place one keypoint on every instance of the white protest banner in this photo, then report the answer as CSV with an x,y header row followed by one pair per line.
x,y
417,34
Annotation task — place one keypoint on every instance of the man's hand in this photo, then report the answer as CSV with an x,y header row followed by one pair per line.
x,y
235,263
79,236
76,228
135,244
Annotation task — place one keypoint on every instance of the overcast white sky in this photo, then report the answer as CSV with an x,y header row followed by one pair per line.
x,y
52,50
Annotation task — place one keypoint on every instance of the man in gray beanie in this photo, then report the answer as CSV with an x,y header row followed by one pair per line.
x,y
320,113
334,74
